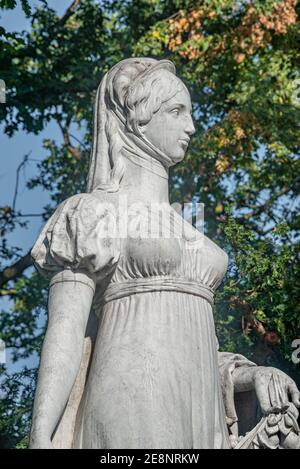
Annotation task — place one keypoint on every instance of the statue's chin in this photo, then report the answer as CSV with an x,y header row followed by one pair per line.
x,y
177,158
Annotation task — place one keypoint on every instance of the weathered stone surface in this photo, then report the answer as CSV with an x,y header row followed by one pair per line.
x,y
130,357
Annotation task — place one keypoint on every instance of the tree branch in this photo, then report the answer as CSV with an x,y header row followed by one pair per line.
x,y
70,11
15,270
29,215
67,142
9,292
258,210
23,163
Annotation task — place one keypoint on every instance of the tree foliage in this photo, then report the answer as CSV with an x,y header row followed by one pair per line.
x,y
240,60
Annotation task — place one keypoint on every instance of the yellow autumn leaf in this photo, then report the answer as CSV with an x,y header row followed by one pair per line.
x,y
219,208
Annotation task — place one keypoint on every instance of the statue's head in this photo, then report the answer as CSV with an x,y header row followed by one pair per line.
x,y
155,104
143,108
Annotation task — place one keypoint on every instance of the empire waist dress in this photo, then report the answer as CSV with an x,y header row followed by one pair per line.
x,y
154,379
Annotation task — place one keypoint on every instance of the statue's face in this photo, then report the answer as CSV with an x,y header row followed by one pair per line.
x,y
171,127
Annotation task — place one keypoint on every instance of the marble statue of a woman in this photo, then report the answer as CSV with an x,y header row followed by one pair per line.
x,y
151,375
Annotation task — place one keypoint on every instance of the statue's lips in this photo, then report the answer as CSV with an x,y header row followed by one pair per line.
x,y
184,141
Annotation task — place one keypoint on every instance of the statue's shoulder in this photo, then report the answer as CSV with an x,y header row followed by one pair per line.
x,y
95,202
73,237
82,198
96,197
80,211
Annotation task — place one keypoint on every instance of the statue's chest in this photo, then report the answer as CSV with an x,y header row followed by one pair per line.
x,y
154,242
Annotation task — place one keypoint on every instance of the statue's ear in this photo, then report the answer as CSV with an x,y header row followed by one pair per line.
x,y
142,128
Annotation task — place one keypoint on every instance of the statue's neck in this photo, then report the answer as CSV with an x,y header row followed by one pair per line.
x,y
145,183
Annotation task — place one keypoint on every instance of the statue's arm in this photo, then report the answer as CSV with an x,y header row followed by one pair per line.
x,y
275,391
68,309
246,376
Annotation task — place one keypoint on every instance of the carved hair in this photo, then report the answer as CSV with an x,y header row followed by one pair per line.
x,y
142,96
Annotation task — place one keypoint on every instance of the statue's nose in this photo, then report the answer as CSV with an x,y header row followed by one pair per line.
x,y
190,128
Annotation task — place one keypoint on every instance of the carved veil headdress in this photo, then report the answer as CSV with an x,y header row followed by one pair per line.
x,y
111,134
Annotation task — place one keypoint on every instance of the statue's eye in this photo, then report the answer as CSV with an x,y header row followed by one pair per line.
x,y
175,111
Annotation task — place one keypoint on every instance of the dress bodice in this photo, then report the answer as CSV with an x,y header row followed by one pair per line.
x,y
85,235
200,259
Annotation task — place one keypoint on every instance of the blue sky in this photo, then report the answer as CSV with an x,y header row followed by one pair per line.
x,y
12,151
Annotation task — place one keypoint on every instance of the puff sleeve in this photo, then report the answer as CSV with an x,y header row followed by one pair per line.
x,y
76,241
